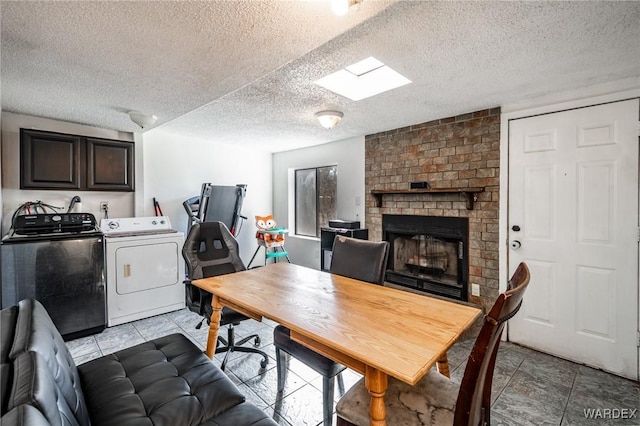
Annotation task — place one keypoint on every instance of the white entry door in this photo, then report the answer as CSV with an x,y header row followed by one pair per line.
x,y
573,217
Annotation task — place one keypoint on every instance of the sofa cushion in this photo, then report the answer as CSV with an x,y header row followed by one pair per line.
x,y
36,332
166,381
24,415
33,384
244,414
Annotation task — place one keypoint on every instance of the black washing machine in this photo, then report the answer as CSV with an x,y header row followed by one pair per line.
x,y
57,259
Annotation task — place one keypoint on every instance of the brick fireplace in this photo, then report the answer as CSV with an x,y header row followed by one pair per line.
x,y
459,158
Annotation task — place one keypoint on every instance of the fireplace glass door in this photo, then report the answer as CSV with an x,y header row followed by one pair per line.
x,y
428,253
427,257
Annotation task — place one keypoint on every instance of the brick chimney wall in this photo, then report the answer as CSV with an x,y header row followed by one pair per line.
x,y
454,152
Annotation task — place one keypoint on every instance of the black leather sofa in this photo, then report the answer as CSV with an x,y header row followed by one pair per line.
x,y
167,381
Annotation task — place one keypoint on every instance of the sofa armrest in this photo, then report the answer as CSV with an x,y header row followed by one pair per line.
x,y
8,318
34,385
24,415
36,332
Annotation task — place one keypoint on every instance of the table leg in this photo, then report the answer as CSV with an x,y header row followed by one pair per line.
x,y
212,339
376,383
443,365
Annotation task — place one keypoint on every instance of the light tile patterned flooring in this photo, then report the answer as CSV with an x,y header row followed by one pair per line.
x,y
530,388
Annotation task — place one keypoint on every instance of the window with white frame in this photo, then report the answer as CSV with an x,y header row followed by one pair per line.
x,y
315,199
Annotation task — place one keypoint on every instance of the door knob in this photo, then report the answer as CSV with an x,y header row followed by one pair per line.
x,y
515,244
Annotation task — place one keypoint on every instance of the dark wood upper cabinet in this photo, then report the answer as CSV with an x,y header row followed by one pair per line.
x,y
109,165
51,160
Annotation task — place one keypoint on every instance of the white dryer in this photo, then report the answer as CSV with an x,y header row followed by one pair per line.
x,y
144,268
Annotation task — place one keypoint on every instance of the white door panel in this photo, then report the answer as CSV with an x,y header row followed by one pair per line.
x,y
538,217
540,309
573,193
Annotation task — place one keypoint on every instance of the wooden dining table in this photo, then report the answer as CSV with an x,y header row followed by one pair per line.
x,y
375,330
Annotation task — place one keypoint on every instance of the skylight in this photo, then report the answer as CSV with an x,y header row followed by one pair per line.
x,y
363,79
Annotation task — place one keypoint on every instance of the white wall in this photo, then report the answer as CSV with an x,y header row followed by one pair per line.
x,y
120,203
348,155
175,167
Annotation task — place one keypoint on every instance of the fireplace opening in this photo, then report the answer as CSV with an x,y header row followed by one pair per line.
x,y
428,253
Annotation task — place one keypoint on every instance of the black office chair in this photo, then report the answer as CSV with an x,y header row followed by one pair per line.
x,y
359,259
209,250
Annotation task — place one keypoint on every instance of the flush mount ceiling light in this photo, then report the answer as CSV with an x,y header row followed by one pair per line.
x,y
341,7
363,79
141,119
329,119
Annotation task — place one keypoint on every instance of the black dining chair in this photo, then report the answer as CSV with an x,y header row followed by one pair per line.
x,y
359,259
437,400
210,250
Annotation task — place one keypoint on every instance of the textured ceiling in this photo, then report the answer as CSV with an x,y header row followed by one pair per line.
x,y
242,72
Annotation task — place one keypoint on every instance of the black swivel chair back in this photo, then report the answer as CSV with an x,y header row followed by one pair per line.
x,y
210,250
353,258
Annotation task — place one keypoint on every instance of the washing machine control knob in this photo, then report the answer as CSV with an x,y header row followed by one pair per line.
x,y
56,218
154,222
114,225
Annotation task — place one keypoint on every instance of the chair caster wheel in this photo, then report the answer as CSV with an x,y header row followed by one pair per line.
x,y
263,363
256,341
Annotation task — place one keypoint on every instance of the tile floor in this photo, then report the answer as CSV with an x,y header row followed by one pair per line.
x,y
530,388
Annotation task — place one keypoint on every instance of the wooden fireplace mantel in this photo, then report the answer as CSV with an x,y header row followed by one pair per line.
x,y
471,194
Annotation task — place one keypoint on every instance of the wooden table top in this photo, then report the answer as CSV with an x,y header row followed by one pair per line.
x,y
356,323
